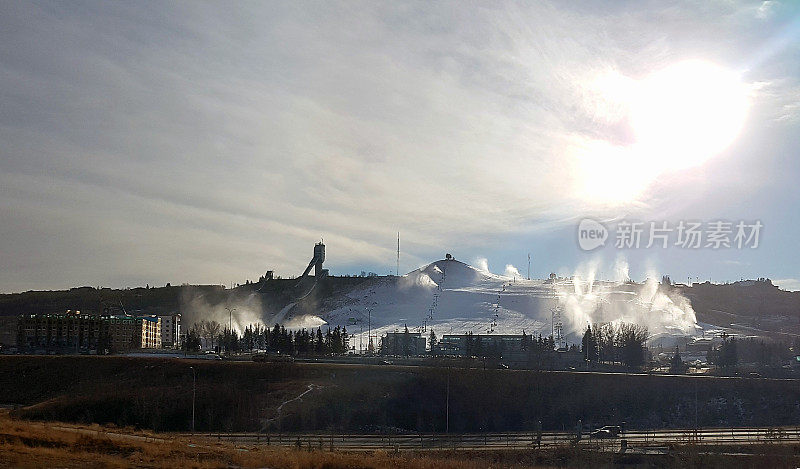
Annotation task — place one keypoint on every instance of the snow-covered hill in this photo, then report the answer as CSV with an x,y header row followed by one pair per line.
x,y
453,297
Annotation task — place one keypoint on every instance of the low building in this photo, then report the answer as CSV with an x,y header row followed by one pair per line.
x,y
403,344
465,345
512,350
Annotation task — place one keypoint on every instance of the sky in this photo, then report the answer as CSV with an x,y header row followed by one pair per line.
x,y
208,142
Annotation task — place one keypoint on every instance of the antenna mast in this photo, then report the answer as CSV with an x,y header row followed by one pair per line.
x,y
398,254
529,266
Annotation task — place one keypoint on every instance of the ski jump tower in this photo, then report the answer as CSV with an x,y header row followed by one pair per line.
x,y
316,262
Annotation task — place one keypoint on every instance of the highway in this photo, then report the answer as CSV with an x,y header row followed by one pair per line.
x,y
635,440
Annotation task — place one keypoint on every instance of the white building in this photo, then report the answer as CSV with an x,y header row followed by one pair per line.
x,y
170,330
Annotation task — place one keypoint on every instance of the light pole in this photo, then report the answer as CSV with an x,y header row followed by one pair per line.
x,y
230,326
230,318
370,347
447,406
194,387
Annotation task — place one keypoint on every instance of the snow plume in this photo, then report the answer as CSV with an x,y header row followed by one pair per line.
x,y
421,280
663,310
621,270
511,272
305,321
201,305
482,264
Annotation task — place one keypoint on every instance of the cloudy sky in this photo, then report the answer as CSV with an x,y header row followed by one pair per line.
x,y
208,142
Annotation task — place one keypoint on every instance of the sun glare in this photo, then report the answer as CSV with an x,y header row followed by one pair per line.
x,y
687,113
680,117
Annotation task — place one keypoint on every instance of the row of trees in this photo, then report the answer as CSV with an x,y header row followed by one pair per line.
x,y
732,351
276,339
615,343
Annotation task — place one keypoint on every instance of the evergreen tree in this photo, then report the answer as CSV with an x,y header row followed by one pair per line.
x,y
319,345
589,345
676,365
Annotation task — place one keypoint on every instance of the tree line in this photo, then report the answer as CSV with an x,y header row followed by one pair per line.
x,y
278,339
609,343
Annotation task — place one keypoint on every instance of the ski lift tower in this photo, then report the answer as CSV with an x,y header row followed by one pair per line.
x,y
559,340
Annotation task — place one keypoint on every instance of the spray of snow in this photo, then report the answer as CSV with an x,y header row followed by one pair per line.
x,y
511,272
246,309
304,321
663,310
621,270
452,297
482,264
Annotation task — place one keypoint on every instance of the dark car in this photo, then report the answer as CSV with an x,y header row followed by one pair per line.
x,y
609,431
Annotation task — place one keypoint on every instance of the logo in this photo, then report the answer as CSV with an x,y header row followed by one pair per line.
x,y
591,234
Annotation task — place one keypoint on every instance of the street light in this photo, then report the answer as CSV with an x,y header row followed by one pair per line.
x,y
447,406
230,326
194,387
230,318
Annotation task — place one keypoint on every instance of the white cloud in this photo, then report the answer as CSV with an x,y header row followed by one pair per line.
x,y
207,143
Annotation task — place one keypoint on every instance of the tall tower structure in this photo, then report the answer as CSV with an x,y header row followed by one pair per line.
x,y
316,261
319,255
397,272
559,340
529,266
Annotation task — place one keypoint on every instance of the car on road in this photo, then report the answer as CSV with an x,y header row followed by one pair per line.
x,y
609,431
601,434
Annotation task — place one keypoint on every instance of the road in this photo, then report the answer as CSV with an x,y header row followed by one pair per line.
x,y
636,440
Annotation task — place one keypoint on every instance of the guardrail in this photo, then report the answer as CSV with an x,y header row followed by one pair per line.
x,y
515,440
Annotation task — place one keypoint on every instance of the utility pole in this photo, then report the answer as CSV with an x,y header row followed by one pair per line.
x,y
371,348
230,327
447,405
194,388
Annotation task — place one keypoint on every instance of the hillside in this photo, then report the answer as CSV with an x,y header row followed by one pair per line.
x,y
448,296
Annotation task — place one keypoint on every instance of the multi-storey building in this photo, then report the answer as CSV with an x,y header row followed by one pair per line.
x,y
151,332
124,333
69,331
170,330
76,332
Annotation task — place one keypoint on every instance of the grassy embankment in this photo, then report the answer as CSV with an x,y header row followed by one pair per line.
x,y
156,394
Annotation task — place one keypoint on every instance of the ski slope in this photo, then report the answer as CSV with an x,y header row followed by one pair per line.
x,y
450,296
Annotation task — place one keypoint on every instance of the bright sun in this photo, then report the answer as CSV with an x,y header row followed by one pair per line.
x,y
687,113
680,116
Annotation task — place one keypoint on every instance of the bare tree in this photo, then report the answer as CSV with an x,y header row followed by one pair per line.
x,y
209,330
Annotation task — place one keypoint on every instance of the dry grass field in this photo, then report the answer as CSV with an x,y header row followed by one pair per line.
x,y
25,444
